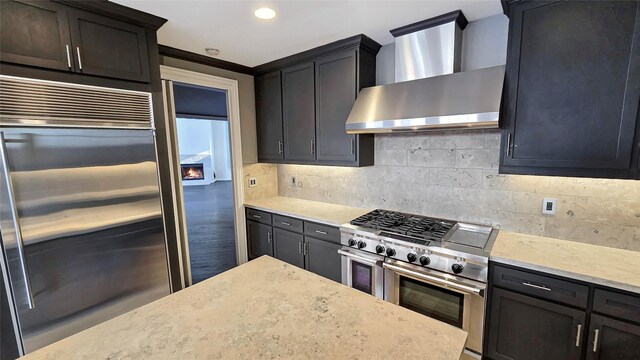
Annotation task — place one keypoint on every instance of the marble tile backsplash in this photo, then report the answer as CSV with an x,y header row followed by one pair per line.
x,y
455,175
266,181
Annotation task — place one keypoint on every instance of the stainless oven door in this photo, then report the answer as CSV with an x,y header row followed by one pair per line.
x,y
362,271
454,300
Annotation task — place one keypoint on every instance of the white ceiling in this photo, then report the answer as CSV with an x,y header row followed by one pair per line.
x,y
231,27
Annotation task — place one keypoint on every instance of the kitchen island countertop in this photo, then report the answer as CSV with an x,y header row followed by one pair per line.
x,y
264,309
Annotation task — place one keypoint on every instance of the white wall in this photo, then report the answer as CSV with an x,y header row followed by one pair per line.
x,y
207,142
220,147
194,143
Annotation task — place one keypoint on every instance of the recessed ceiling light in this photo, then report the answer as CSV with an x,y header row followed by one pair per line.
x,y
265,13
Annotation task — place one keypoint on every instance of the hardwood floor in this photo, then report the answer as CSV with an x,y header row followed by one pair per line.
x,y
210,228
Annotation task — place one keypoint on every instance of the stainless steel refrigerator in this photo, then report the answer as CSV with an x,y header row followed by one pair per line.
x,y
80,209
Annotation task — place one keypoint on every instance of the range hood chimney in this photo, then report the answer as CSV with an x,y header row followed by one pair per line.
x,y
430,92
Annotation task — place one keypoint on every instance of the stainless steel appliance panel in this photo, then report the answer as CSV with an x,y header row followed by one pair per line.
x,y
469,99
430,52
362,271
434,294
81,227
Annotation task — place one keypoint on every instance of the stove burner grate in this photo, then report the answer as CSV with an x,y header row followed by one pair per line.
x,y
400,223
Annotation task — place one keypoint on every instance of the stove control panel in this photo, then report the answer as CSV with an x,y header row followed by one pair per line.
x,y
417,255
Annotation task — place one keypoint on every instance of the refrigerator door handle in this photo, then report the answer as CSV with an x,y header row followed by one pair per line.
x,y
16,221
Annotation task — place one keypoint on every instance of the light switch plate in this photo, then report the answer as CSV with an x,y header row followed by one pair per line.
x,y
549,206
253,182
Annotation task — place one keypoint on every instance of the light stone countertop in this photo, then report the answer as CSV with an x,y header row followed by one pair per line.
x,y
316,211
591,263
264,309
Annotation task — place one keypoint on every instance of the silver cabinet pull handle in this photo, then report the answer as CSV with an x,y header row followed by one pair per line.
x,y
285,223
280,147
508,144
16,221
313,147
306,249
68,57
596,332
321,232
269,237
353,146
257,216
300,247
79,59
578,335
540,287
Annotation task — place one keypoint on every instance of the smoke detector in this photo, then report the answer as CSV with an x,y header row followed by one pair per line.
x,y
212,51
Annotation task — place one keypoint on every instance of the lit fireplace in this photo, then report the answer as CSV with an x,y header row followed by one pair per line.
x,y
192,171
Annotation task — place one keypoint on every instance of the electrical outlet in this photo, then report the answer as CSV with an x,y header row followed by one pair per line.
x,y
549,206
253,182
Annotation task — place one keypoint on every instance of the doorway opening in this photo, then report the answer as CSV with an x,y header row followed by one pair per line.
x,y
204,154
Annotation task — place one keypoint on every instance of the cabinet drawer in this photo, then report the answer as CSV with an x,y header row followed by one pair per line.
x,y
615,304
541,286
259,216
323,232
287,223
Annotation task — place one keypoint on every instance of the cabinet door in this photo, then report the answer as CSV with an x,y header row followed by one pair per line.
x,y
108,47
616,340
298,103
323,258
259,237
287,247
269,117
335,94
573,82
35,33
523,328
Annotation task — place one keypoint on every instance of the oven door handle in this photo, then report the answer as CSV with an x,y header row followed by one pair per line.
x,y
434,280
359,257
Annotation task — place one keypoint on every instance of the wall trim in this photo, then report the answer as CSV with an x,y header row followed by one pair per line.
x,y
169,74
202,59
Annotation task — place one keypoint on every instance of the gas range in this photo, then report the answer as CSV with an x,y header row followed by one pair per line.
x,y
452,247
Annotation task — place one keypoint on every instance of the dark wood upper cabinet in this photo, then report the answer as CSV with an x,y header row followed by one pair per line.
x,y
306,116
35,33
108,47
526,328
572,88
52,35
298,113
335,94
269,116
611,339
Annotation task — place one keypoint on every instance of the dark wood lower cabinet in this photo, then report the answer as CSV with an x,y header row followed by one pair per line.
x,y
259,237
305,244
611,339
526,328
536,315
287,246
323,258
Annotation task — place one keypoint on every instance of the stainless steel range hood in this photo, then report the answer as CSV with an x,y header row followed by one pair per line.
x,y
430,93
